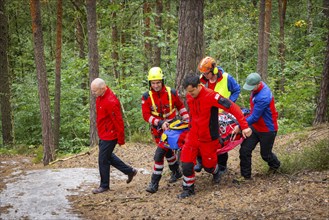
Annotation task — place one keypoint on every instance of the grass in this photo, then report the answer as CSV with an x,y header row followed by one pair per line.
x,y
311,158
141,137
315,158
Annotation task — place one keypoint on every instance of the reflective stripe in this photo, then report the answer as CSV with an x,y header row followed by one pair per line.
x,y
151,119
157,166
171,158
188,179
187,184
185,117
172,163
183,110
157,172
171,110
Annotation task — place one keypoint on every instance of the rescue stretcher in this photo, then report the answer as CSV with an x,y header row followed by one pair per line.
x,y
174,137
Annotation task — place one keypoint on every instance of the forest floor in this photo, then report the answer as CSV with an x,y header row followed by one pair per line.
x,y
303,195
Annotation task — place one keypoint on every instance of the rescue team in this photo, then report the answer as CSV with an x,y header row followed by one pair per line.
x,y
207,95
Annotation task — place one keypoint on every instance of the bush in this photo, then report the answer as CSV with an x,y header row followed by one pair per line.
x,y
314,158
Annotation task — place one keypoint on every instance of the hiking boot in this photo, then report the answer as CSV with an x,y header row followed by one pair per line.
x,y
131,176
152,188
241,179
99,190
218,176
175,176
187,192
154,184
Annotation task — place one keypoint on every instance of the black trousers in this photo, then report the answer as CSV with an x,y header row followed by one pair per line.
x,y
106,157
222,161
266,141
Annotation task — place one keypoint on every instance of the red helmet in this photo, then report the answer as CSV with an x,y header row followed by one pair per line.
x,y
207,64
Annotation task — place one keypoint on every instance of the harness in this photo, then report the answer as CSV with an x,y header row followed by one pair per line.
x,y
171,109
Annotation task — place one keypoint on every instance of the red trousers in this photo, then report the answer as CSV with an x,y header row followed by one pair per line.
x,y
207,150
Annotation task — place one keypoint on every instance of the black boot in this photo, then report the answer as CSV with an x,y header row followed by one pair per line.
x,y
187,192
218,176
154,184
198,166
175,173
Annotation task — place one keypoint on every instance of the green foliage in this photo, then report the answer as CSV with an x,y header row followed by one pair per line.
x,y
32,150
38,154
231,37
142,138
315,158
71,151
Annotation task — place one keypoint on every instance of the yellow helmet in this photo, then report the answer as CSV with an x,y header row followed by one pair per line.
x,y
155,73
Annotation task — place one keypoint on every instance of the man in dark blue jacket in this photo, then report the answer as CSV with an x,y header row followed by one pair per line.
x,y
263,121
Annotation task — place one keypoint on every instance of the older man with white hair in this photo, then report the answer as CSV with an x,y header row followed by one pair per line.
x,y
110,127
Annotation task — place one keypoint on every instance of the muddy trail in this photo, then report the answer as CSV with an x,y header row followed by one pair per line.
x,y
63,190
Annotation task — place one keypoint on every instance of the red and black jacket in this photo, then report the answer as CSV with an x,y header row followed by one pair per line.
x,y
109,120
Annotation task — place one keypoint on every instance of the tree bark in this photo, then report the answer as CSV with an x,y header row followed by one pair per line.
x,y
93,65
58,54
190,39
80,21
261,29
47,133
80,40
322,104
5,91
264,37
147,35
158,25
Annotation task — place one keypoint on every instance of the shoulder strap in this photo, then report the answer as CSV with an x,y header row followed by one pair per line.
x,y
171,110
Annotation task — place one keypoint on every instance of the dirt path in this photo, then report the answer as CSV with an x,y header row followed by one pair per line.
x,y
302,196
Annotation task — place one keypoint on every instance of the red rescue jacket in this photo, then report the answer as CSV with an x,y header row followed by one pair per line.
x,y
204,114
162,105
110,124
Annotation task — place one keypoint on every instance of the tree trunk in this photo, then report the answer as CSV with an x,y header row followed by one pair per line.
x,y
93,65
47,133
261,36
124,37
80,40
322,104
158,25
115,40
147,35
264,37
190,39
168,30
5,92
57,105
282,47
80,21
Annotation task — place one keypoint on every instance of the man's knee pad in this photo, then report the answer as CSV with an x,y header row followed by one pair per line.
x,y
209,170
169,153
159,154
187,169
